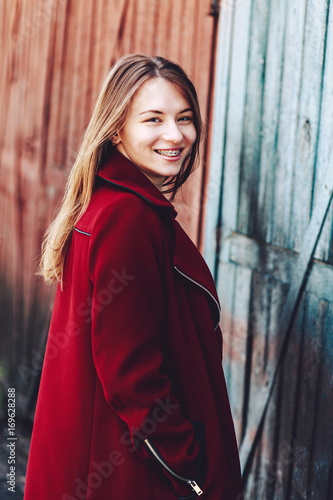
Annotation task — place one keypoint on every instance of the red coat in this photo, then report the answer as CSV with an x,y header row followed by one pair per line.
x,y
134,353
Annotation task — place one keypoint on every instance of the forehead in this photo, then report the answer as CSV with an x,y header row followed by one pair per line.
x,y
159,94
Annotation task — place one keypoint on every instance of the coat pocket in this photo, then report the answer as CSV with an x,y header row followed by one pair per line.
x,y
194,485
189,482
199,429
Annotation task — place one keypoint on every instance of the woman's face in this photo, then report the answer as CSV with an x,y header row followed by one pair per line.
x,y
159,131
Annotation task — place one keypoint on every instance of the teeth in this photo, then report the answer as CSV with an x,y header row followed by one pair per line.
x,y
169,152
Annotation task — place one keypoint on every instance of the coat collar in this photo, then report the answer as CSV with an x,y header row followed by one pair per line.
x,y
187,260
118,169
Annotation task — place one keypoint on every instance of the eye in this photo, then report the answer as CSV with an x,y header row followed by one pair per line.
x,y
186,119
153,120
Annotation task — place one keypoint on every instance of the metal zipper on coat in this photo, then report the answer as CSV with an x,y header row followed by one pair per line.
x,y
190,482
204,288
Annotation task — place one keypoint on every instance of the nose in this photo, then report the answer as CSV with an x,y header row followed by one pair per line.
x,y
171,132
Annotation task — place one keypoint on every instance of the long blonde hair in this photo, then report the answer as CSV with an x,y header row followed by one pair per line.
x,y
108,118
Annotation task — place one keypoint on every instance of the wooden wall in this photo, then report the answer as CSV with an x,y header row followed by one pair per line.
x,y
55,55
271,178
271,152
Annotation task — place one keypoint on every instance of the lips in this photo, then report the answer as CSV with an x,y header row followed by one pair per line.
x,y
170,153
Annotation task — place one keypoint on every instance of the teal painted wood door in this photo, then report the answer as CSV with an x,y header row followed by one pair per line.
x,y
270,173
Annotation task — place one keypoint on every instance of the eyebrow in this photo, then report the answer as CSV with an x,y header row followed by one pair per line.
x,y
155,111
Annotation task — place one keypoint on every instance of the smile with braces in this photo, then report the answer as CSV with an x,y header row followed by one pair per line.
x,y
169,152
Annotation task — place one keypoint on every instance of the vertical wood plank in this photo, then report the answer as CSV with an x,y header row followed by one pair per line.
x,y
234,126
266,473
53,144
308,119
267,301
128,27
175,29
218,135
286,393
255,372
79,52
305,404
292,65
324,153
162,29
320,474
270,118
30,157
249,174
240,339
226,294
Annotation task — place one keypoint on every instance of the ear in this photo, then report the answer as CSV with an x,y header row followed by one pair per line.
x,y
115,139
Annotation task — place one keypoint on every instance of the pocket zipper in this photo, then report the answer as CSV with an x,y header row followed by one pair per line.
x,y
195,487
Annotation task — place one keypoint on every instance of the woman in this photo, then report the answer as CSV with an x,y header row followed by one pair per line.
x,y
132,402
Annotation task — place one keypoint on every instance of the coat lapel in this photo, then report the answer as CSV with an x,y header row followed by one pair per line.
x,y
188,262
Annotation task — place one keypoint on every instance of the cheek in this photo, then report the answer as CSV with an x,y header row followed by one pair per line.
x,y
192,135
146,138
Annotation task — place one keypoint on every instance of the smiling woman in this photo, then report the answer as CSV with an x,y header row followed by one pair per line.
x,y
160,138
134,403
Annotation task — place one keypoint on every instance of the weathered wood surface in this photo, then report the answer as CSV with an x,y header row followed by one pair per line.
x,y
296,287
273,133
55,55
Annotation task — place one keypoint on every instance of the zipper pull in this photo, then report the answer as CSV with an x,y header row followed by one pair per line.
x,y
195,487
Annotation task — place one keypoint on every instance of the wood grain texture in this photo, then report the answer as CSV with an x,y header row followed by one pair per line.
x,y
213,192
250,156
273,130
324,149
270,118
287,124
308,118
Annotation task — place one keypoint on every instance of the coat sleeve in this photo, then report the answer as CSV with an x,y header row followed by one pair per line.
x,y
128,330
